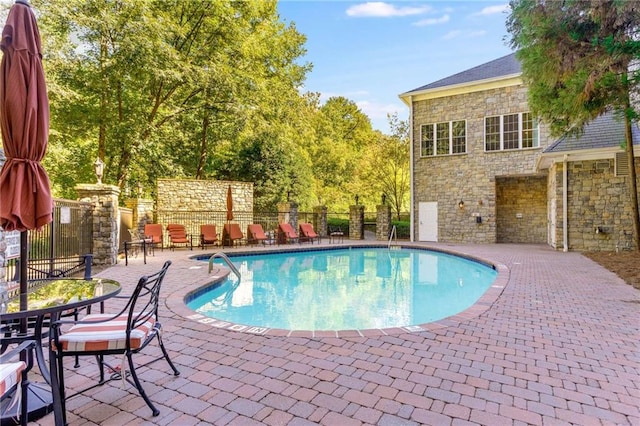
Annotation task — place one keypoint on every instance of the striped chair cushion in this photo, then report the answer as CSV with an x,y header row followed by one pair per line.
x,y
10,375
105,335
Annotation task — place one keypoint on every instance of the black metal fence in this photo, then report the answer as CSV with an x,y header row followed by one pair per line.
x,y
59,248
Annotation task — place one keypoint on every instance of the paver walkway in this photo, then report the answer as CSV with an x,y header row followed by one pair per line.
x,y
559,345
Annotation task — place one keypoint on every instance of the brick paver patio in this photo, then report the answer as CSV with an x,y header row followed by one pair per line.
x,y
557,342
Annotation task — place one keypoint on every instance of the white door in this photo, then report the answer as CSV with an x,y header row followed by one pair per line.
x,y
428,221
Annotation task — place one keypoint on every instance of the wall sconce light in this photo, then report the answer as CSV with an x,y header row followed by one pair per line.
x,y
461,205
98,167
357,198
384,198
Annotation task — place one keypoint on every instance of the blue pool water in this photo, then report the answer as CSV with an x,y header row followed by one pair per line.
x,y
344,289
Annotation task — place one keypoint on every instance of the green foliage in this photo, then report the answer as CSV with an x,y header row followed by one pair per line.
x,y
575,58
204,89
403,229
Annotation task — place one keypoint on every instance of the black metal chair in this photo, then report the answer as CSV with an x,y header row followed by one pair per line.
x,y
126,333
15,365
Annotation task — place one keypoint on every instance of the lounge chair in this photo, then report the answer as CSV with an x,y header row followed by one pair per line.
x,y
178,235
153,231
208,235
286,234
307,233
231,234
255,234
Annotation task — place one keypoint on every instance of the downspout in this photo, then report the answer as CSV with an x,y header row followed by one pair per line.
x,y
565,200
412,207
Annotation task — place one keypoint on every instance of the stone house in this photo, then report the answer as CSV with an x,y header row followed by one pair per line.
x,y
485,170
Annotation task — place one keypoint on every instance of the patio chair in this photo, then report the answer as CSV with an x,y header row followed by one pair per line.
x,y
125,333
178,235
208,235
307,233
13,378
255,234
153,231
231,234
286,234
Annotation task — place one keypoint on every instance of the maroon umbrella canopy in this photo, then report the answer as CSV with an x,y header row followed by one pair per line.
x,y
25,197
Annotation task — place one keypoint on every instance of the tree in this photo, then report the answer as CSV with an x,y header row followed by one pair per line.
x,y
387,165
578,60
160,88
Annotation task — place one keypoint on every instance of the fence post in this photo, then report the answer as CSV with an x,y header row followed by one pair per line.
x,y
288,213
105,220
142,211
356,222
383,221
320,219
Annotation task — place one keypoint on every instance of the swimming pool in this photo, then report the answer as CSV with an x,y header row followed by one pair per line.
x,y
344,289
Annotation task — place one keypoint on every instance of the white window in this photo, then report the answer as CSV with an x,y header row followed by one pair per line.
x,y
511,131
445,138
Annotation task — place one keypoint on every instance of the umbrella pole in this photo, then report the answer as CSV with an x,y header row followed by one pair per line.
x,y
24,254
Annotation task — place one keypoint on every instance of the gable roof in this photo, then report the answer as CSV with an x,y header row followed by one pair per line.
x,y
606,131
506,66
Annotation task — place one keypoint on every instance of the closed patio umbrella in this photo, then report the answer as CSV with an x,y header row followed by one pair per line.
x,y
229,204
25,197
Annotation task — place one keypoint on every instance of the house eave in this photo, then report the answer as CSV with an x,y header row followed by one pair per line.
x,y
462,88
546,160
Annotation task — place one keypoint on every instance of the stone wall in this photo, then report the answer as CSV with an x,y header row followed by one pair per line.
x,y
521,210
470,177
204,195
599,207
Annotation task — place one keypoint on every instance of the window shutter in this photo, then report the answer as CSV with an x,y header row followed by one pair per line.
x,y
622,164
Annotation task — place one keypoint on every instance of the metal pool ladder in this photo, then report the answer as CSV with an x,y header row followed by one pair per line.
x,y
393,235
226,259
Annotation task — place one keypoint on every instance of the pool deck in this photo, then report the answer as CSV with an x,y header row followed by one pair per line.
x,y
555,341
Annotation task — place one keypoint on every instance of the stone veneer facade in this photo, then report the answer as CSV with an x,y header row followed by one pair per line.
x,y
598,210
477,177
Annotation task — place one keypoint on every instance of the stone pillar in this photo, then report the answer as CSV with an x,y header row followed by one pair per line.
x,y
106,220
320,217
383,222
288,213
142,211
356,222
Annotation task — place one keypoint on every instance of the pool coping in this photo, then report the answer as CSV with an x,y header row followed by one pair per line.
x,y
176,301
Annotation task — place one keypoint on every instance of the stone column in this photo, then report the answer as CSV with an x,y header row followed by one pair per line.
x,y
288,213
106,220
356,222
320,216
383,222
142,211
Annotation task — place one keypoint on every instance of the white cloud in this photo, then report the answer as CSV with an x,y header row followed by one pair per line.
x,y
492,10
380,9
479,33
432,21
378,111
452,34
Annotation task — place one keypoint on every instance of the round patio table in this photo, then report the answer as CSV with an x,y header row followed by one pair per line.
x,y
46,300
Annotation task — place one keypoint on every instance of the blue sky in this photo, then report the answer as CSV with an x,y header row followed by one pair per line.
x,y
370,52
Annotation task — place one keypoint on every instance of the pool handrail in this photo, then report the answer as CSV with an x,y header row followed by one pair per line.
x,y
226,259
392,234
